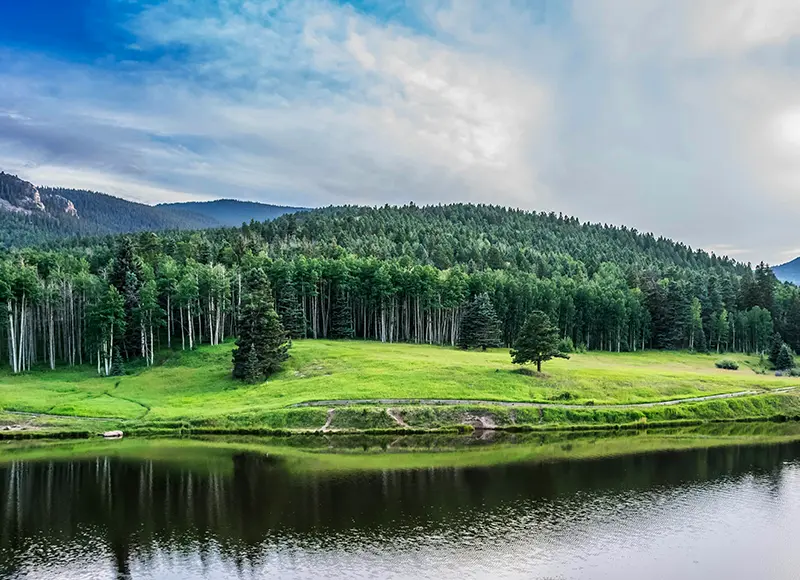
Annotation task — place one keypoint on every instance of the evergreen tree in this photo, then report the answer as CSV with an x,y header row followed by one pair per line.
x,y
292,315
775,348
126,277
117,366
537,341
260,331
341,317
480,326
251,372
785,359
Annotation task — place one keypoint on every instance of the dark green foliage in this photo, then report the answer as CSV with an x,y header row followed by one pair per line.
x,y
480,326
727,364
566,345
117,365
408,274
537,341
251,372
341,317
785,358
292,314
260,332
775,348
126,277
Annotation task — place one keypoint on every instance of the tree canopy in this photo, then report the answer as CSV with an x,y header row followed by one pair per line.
x,y
392,274
537,341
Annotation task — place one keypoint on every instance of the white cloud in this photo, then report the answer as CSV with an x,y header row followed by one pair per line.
x,y
676,116
317,102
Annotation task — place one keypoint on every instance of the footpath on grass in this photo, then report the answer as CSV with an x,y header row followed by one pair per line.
x,y
361,402
392,415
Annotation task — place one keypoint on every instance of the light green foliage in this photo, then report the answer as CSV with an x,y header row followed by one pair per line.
x,y
727,364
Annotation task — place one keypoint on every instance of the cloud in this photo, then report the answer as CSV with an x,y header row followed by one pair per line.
x,y
675,116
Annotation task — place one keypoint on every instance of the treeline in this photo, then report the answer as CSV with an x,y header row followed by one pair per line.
x,y
389,274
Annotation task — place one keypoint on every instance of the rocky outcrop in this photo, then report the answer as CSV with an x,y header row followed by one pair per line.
x,y
58,205
22,197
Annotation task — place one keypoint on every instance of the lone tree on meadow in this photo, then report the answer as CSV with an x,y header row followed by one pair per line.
x,y
262,344
775,348
785,360
537,341
480,326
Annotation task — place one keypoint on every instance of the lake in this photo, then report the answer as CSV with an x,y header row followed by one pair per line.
x,y
404,507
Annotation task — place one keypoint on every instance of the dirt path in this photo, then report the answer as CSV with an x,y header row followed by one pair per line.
x,y
397,417
52,416
347,402
328,420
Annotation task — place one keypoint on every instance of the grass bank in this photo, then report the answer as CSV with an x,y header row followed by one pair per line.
x,y
193,391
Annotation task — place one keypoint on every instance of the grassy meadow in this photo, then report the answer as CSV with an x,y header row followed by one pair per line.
x,y
196,386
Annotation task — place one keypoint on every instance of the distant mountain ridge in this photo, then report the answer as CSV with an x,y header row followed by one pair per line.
x,y
232,212
31,215
788,272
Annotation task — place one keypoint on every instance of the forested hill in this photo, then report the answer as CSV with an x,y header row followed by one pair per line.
x,y
231,212
485,237
388,274
31,215
789,272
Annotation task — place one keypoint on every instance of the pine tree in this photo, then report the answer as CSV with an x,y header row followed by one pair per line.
x,y
251,372
537,341
480,326
291,312
785,359
775,348
341,317
117,366
260,330
126,277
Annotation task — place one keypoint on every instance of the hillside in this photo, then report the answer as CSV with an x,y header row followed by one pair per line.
x,y
231,212
789,272
32,215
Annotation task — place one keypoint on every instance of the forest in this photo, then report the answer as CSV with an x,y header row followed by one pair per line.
x,y
32,216
391,274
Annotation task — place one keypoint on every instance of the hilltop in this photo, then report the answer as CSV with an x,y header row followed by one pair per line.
x,y
31,215
788,272
231,212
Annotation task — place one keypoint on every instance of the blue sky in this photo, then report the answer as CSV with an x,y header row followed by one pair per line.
x,y
680,117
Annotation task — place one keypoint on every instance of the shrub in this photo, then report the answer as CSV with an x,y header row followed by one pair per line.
x,y
566,345
564,396
727,364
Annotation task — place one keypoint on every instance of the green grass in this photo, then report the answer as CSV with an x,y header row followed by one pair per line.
x,y
196,386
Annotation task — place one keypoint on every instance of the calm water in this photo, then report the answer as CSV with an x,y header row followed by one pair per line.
x,y
729,512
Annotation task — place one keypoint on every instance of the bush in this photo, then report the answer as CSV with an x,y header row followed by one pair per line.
x,y
566,345
727,364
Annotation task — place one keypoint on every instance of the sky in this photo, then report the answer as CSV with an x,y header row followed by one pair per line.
x,y
680,117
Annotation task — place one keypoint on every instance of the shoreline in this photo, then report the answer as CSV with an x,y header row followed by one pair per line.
x,y
442,418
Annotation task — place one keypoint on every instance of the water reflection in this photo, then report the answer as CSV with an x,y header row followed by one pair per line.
x,y
249,515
